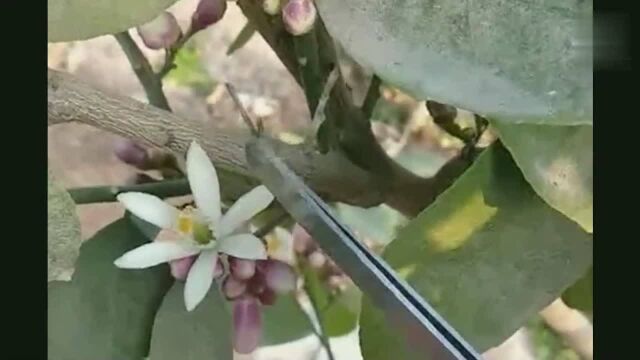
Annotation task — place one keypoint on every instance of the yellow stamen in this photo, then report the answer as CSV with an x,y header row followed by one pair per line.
x,y
273,244
185,223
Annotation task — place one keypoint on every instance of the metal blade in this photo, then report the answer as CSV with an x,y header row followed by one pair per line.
x,y
428,334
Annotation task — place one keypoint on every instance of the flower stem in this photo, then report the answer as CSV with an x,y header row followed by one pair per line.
x,y
170,55
318,303
98,194
151,83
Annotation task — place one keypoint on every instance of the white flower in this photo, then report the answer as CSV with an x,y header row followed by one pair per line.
x,y
203,231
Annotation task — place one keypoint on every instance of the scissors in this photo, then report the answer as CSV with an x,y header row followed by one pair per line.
x,y
427,333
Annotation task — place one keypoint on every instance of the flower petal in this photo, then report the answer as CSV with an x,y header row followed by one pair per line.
x,y
199,279
154,253
203,181
244,246
249,205
149,208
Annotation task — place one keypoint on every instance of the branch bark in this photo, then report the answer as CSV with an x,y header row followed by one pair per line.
x,y
332,175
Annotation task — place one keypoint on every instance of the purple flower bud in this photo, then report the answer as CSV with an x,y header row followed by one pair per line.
x,y
207,13
242,269
247,324
280,277
161,32
299,16
131,153
180,268
268,297
271,7
256,284
233,288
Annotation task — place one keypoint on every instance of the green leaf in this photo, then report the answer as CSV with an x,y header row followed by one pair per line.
x,y
243,37
580,295
189,71
487,255
63,231
105,312
558,163
284,321
518,61
338,314
204,333
376,223
70,20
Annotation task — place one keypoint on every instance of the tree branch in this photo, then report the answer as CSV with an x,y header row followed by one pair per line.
x,y
333,176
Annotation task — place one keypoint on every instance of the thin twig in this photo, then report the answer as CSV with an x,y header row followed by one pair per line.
x,y
150,82
99,194
170,54
371,99
243,111
319,332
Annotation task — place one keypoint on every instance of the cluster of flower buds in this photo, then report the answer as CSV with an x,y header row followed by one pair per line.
x,y
163,32
306,247
249,285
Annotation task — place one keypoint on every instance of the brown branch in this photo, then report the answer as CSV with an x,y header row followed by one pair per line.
x,y
332,175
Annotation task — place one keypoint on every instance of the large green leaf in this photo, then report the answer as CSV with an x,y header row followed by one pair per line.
x,y
487,255
516,60
284,321
63,231
558,163
204,333
83,19
376,223
105,312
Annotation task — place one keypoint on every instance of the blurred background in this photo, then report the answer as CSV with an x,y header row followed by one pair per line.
x,y
84,156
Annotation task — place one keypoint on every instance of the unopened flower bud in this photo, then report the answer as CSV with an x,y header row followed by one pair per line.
x,y
302,241
180,268
299,16
233,288
247,324
280,277
161,32
271,7
317,259
242,269
131,153
207,13
256,284
268,297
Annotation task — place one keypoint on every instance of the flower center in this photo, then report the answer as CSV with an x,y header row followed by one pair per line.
x,y
189,226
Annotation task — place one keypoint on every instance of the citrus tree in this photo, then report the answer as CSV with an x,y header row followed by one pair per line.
x,y
495,235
